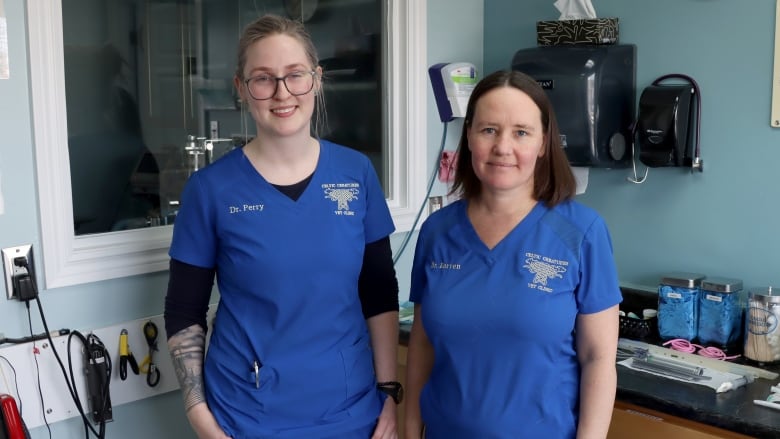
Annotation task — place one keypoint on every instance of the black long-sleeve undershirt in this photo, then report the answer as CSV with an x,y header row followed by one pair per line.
x,y
189,288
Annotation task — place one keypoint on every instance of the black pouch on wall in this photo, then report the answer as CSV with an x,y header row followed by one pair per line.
x,y
664,133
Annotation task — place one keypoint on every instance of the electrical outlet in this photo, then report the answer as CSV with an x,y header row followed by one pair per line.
x,y
11,270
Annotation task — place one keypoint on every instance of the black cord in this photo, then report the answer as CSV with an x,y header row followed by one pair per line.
x,y
697,92
74,390
38,371
427,194
16,383
28,339
18,396
96,344
70,383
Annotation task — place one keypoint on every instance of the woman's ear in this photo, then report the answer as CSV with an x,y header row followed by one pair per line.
x,y
240,90
467,129
544,147
318,80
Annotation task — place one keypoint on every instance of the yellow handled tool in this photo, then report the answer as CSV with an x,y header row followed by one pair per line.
x,y
125,356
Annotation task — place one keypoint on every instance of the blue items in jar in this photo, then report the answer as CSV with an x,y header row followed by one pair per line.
x,y
720,311
678,305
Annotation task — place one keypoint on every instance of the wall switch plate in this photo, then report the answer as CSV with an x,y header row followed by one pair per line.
x,y
434,204
9,254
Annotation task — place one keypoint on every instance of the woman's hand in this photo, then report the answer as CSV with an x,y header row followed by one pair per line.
x,y
204,423
386,427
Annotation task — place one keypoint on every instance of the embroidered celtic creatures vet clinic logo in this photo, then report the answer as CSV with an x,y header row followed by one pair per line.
x,y
544,269
342,194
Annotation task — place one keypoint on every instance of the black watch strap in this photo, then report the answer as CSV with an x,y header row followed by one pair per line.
x,y
392,388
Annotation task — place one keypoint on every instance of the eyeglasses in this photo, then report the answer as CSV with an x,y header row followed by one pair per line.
x,y
263,87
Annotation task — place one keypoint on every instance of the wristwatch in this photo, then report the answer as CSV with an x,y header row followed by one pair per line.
x,y
392,388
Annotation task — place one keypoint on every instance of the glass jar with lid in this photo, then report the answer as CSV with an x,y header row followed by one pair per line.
x,y
720,311
762,325
678,305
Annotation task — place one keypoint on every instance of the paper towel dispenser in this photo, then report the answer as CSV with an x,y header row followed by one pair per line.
x,y
593,92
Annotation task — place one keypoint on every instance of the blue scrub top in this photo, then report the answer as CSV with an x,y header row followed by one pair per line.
x,y
287,272
501,321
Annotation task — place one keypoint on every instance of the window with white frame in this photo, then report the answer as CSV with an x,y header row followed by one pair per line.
x,y
136,241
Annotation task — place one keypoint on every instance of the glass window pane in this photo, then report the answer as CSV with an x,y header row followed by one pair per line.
x,y
147,81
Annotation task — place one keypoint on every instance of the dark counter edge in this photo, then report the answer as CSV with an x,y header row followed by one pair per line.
x,y
733,410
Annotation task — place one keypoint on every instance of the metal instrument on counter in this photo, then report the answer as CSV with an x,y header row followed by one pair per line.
x,y
628,348
644,361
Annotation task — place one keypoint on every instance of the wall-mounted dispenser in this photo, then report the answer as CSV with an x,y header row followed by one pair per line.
x,y
666,124
592,89
452,85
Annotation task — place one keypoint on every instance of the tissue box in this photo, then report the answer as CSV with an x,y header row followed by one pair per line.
x,y
585,31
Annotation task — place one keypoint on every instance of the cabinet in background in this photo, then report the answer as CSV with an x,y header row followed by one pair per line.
x,y
628,420
636,422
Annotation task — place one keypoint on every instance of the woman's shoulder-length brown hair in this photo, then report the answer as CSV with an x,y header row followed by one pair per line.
x,y
553,178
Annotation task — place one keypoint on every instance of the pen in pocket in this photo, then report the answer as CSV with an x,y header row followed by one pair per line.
x,y
256,365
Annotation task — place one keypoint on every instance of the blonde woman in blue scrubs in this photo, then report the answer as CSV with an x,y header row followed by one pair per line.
x,y
296,230
515,288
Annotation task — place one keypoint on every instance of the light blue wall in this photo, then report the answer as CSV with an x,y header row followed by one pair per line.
x,y
455,34
82,307
724,221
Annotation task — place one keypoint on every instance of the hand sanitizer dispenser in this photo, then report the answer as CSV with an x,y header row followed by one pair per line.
x,y
452,85
667,121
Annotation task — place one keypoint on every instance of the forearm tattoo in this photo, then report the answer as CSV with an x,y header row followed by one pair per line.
x,y
186,348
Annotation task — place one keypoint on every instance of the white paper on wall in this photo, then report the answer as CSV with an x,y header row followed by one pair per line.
x,y
4,69
581,177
